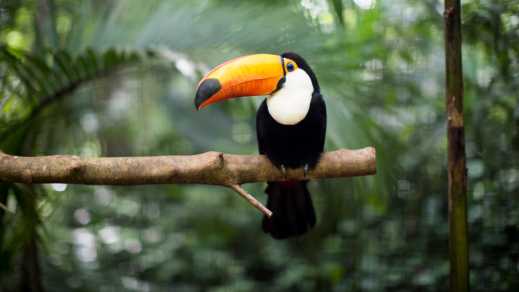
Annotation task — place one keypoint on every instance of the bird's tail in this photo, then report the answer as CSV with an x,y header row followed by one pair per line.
x,y
292,208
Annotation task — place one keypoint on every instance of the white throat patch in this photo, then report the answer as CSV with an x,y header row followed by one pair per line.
x,y
290,104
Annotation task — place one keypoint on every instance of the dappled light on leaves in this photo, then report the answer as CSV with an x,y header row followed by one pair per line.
x,y
365,4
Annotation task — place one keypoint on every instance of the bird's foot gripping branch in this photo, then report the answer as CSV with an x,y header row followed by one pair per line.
x,y
213,168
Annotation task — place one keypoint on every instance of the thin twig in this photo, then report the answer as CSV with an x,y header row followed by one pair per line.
x,y
255,203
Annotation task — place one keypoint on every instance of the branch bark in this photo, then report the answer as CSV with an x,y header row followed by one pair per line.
x,y
250,198
213,168
457,173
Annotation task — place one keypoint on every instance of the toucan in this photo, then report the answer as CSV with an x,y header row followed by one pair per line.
x,y
290,126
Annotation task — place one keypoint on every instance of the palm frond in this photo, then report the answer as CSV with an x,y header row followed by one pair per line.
x,y
32,82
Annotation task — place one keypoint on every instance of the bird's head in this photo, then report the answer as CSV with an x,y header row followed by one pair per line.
x,y
252,75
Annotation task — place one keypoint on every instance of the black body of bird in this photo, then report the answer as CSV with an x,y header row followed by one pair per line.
x,y
292,146
290,124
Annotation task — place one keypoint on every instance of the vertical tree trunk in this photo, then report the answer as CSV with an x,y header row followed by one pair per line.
x,y
3,200
30,272
457,182
30,267
4,262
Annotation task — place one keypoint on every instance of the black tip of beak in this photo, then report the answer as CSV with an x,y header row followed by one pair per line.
x,y
206,89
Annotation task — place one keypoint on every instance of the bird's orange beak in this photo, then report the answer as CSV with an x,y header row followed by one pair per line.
x,y
250,75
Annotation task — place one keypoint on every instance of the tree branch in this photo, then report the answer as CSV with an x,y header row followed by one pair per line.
x,y
250,198
213,168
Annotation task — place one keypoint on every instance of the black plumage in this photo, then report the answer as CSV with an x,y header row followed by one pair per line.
x,y
292,146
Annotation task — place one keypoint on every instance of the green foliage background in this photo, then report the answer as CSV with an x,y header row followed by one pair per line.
x,y
105,78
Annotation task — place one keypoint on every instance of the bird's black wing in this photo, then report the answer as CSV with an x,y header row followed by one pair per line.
x,y
320,116
260,127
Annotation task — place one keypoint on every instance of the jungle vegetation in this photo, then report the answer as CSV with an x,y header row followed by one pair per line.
x,y
113,78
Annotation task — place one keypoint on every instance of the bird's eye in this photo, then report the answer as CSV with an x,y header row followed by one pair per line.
x,y
290,67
